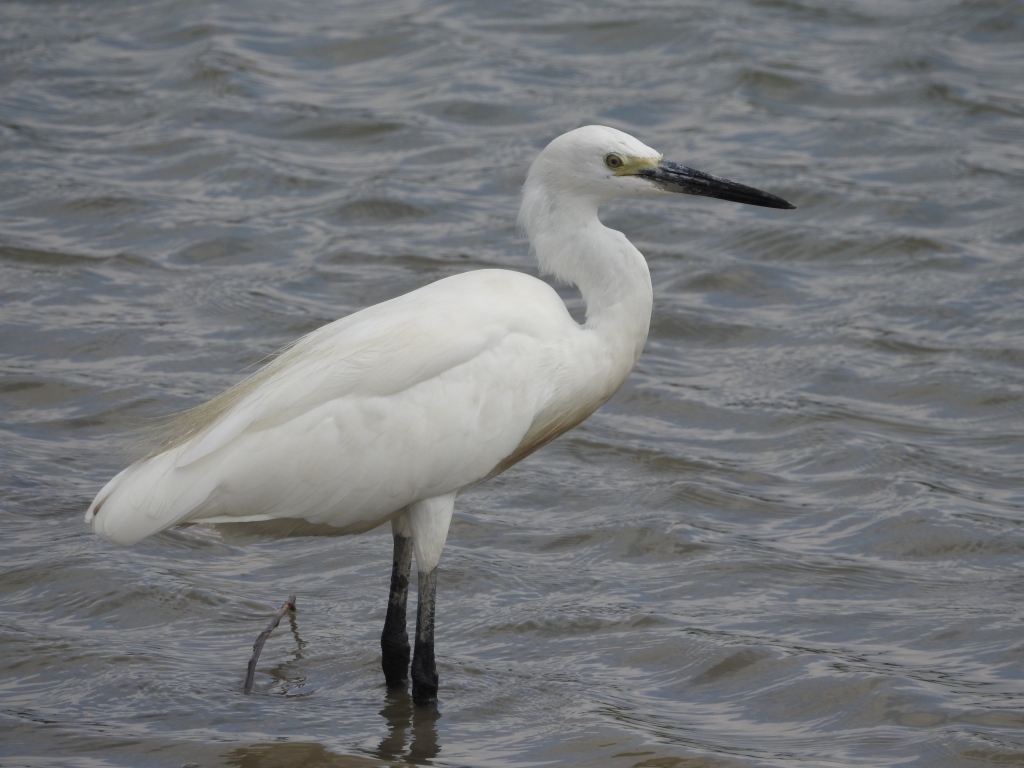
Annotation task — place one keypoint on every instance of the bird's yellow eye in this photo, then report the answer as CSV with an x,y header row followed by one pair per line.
x,y
614,162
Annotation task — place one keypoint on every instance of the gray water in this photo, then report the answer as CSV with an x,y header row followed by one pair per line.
x,y
794,538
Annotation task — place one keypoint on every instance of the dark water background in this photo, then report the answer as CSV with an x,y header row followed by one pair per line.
x,y
794,538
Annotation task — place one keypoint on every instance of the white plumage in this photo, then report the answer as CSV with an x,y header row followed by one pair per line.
x,y
389,413
410,399
417,397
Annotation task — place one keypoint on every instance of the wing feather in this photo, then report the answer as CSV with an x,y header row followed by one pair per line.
x,y
411,398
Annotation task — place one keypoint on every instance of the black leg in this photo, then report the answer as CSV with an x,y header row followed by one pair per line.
x,y
424,673
394,641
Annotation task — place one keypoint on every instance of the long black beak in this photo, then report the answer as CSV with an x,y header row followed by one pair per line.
x,y
673,177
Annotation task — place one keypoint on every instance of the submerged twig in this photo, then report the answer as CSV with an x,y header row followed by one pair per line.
x,y
257,647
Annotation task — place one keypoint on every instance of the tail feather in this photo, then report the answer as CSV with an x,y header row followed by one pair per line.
x,y
144,499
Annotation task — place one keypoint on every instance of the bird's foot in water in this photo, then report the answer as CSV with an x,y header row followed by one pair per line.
x,y
395,659
424,676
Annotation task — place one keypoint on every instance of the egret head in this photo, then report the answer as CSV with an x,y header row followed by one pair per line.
x,y
597,163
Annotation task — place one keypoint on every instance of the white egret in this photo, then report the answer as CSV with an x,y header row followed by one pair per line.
x,y
387,414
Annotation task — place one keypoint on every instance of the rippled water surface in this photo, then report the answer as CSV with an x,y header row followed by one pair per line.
x,y
794,538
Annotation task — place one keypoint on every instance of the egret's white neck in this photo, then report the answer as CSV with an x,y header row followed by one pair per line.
x,y
572,244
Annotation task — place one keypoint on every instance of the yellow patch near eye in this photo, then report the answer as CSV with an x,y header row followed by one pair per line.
x,y
631,166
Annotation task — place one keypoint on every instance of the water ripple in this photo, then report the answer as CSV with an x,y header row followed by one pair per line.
x,y
792,539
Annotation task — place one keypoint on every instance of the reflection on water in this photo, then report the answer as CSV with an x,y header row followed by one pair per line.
x,y
412,730
283,673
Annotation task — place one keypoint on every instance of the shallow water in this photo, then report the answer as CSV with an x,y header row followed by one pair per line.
x,y
792,539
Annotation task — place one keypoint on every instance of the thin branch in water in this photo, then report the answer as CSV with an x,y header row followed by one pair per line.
x,y
257,647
